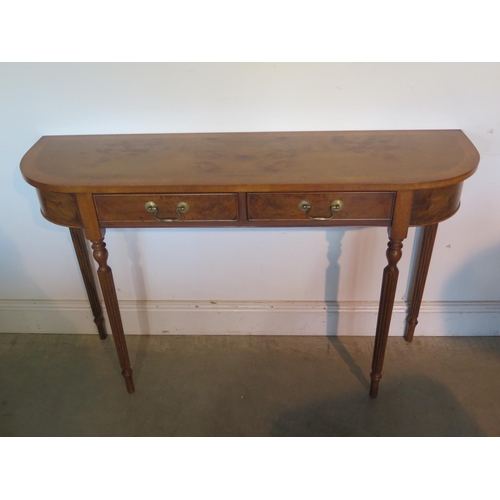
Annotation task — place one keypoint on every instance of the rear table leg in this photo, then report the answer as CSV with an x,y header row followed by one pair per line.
x,y
419,276
82,254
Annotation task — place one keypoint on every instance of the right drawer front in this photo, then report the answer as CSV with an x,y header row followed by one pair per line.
x,y
285,206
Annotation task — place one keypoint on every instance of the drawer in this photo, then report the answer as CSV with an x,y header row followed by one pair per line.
x,y
354,205
180,207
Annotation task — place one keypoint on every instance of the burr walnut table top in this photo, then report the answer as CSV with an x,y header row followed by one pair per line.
x,y
257,162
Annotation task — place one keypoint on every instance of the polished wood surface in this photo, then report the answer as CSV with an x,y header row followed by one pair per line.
x,y
281,206
429,206
267,161
398,230
60,208
131,208
393,179
109,293
81,251
426,240
435,205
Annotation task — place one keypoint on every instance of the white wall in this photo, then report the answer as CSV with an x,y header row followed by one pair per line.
x,y
40,287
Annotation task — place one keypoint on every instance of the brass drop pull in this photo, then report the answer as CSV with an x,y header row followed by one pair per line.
x,y
336,205
182,208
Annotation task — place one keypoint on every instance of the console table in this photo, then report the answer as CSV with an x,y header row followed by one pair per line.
x,y
394,179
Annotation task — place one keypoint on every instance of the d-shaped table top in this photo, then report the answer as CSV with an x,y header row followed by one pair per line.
x,y
262,162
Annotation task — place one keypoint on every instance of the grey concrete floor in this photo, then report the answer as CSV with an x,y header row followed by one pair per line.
x,y
70,385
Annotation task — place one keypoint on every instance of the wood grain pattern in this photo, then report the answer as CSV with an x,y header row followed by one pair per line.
x,y
389,283
109,293
60,208
251,162
397,233
91,225
435,205
253,223
427,237
131,208
279,206
80,244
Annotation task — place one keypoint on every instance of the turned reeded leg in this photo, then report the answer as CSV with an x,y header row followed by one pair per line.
x,y
387,295
419,275
111,301
82,254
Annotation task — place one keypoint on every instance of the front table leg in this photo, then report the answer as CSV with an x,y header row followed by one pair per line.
x,y
386,304
111,301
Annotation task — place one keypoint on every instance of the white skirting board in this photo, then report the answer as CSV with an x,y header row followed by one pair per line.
x,y
249,318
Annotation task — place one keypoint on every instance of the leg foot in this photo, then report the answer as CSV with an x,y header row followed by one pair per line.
x,y
129,383
410,329
101,329
374,384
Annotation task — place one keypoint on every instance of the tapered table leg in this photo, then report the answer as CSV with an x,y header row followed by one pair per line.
x,y
110,299
427,237
82,254
387,294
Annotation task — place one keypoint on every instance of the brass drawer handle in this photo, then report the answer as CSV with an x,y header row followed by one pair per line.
x,y
336,205
182,208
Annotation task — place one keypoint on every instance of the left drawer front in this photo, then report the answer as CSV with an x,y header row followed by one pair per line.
x,y
131,208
